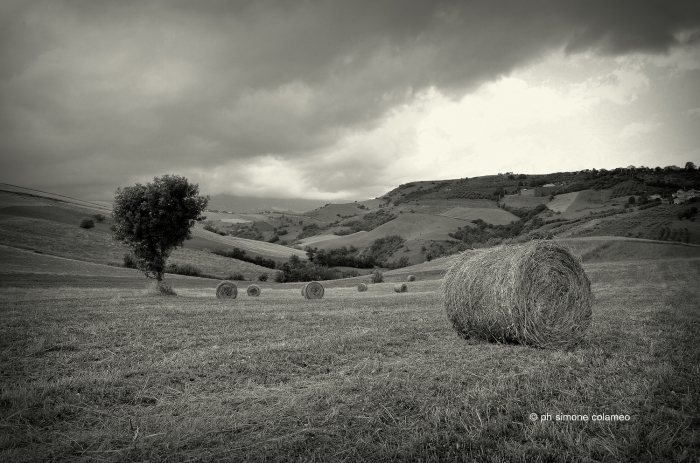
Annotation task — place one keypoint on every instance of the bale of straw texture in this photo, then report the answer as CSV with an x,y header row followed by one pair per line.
x,y
362,287
401,287
535,293
226,290
303,290
411,278
313,290
253,291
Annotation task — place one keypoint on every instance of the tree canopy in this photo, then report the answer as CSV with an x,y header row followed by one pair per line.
x,y
156,218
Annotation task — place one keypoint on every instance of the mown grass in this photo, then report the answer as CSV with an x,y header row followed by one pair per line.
x,y
122,375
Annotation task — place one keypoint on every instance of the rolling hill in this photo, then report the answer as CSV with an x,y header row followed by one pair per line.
x,y
434,218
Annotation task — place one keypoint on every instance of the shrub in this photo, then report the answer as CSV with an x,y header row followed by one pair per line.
x,y
236,253
238,276
130,261
377,276
262,277
99,218
401,263
87,224
183,269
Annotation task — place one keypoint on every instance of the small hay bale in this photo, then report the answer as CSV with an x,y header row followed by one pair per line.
x,y
535,293
401,287
411,278
362,287
313,290
253,291
226,290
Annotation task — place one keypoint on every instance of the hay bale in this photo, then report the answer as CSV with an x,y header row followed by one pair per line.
x,y
253,291
226,290
535,293
401,287
313,290
362,287
303,290
411,278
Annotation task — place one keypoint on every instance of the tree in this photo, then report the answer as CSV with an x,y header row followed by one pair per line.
x,y
156,218
632,200
689,165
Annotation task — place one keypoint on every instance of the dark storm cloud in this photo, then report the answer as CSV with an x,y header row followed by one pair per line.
x,y
98,93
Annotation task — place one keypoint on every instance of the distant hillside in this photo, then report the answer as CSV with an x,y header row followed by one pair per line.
x,y
47,198
224,202
429,219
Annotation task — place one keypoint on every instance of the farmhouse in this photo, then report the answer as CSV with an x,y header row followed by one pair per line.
x,y
681,196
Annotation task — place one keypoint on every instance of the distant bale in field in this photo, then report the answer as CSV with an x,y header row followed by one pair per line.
x,y
253,291
313,290
411,278
535,293
303,290
226,290
362,287
401,287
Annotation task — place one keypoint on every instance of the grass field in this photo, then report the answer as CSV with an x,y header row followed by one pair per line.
x,y
646,223
97,246
490,215
114,373
262,248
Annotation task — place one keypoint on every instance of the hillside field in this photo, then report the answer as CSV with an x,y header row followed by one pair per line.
x,y
96,369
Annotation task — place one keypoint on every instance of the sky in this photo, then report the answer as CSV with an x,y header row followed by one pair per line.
x,y
340,99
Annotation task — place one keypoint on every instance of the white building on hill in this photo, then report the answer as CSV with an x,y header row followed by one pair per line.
x,y
681,197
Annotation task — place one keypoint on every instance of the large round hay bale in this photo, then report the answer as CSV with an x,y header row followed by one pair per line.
x,y
362,287
411,278
313,290
303,290
535,293
226,290
253,291
401,287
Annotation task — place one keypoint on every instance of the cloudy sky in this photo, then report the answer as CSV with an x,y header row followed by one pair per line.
x,y
340,99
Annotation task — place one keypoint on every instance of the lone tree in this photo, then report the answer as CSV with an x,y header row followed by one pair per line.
x,y
156,218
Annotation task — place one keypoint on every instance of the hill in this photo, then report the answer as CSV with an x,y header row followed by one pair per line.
x,y
333,212
13,192
49,226
411,227
245,204
430,218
